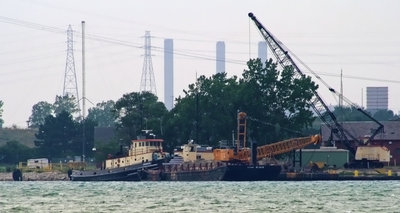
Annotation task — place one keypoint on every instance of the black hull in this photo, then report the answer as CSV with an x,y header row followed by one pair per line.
x,y
215,174
188,172
242,172
129,173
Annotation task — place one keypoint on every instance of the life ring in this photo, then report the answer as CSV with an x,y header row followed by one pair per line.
x,y
17,175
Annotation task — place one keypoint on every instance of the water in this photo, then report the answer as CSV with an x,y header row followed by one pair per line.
x,y
317,196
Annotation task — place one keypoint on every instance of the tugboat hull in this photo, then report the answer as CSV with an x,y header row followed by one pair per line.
x,y
242,172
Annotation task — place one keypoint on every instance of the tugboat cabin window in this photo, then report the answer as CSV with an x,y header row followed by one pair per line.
x,y
147,143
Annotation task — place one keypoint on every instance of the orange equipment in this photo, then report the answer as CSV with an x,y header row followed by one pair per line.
x,y
243,153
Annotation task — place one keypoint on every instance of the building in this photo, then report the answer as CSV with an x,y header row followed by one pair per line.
x,y
220,57
38,163
169,73
329,156
262,51
389,138
377,99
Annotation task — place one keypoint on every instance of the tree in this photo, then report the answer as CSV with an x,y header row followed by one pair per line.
x,y
103,114
65,103
277,104
349,114
138,111
278,99
14,152
384,115
57,136
39,113
1,114
206,114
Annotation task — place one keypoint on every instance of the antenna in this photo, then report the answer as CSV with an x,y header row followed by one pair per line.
x,y
341,89
148,80
70,83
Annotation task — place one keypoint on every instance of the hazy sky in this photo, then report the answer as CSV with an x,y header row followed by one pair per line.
x,y
360,37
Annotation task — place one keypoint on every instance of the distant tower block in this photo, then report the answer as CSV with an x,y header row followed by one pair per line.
x,y
220,57
377,99
70,83
262,51
148,80
169,73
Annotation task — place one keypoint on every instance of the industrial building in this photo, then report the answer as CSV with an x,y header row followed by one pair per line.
x,y
389,138
330,156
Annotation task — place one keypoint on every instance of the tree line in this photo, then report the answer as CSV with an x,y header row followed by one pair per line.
x,y
277,104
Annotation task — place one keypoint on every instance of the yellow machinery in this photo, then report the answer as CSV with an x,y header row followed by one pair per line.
x,y
243,153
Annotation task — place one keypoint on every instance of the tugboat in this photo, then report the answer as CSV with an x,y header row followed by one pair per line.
x,y
190,163
144,153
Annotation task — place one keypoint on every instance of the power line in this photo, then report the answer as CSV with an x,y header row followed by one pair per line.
x,y
182,52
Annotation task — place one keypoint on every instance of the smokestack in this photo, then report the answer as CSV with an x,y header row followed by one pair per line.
x,y
169,73
262,51
220,57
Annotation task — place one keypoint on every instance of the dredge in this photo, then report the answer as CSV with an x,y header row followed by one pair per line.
x,y
363,154
242,162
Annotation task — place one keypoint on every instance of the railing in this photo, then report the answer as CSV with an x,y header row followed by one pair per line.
x,y
192,166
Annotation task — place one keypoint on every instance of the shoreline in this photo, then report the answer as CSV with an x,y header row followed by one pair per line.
x,y
36,176
58,176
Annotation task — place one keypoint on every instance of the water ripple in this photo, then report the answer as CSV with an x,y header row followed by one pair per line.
x,y
318,196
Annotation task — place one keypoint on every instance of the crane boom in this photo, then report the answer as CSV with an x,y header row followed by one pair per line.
x,y
277,148
243,154
318,105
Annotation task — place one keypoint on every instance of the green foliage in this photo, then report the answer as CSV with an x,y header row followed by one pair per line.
x,y
280,100
55,137
65,103
43,109
276,102
103,114
14,152
103,150
206,114
138,111
385,115
88,126
39,113
349,114
1,114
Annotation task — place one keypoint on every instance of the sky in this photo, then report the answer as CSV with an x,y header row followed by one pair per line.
x,y
359,37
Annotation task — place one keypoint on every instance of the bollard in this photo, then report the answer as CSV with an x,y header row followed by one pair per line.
x,y
389,173
355,173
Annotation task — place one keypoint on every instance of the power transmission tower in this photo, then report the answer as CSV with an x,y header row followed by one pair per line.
x,y
70,83
148,80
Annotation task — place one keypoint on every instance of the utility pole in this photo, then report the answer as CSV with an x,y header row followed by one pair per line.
x,y
83,91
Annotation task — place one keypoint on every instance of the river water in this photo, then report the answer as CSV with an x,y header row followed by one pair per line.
x,y
316,196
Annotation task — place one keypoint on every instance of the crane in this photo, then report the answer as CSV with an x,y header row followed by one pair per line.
x,y
285,59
